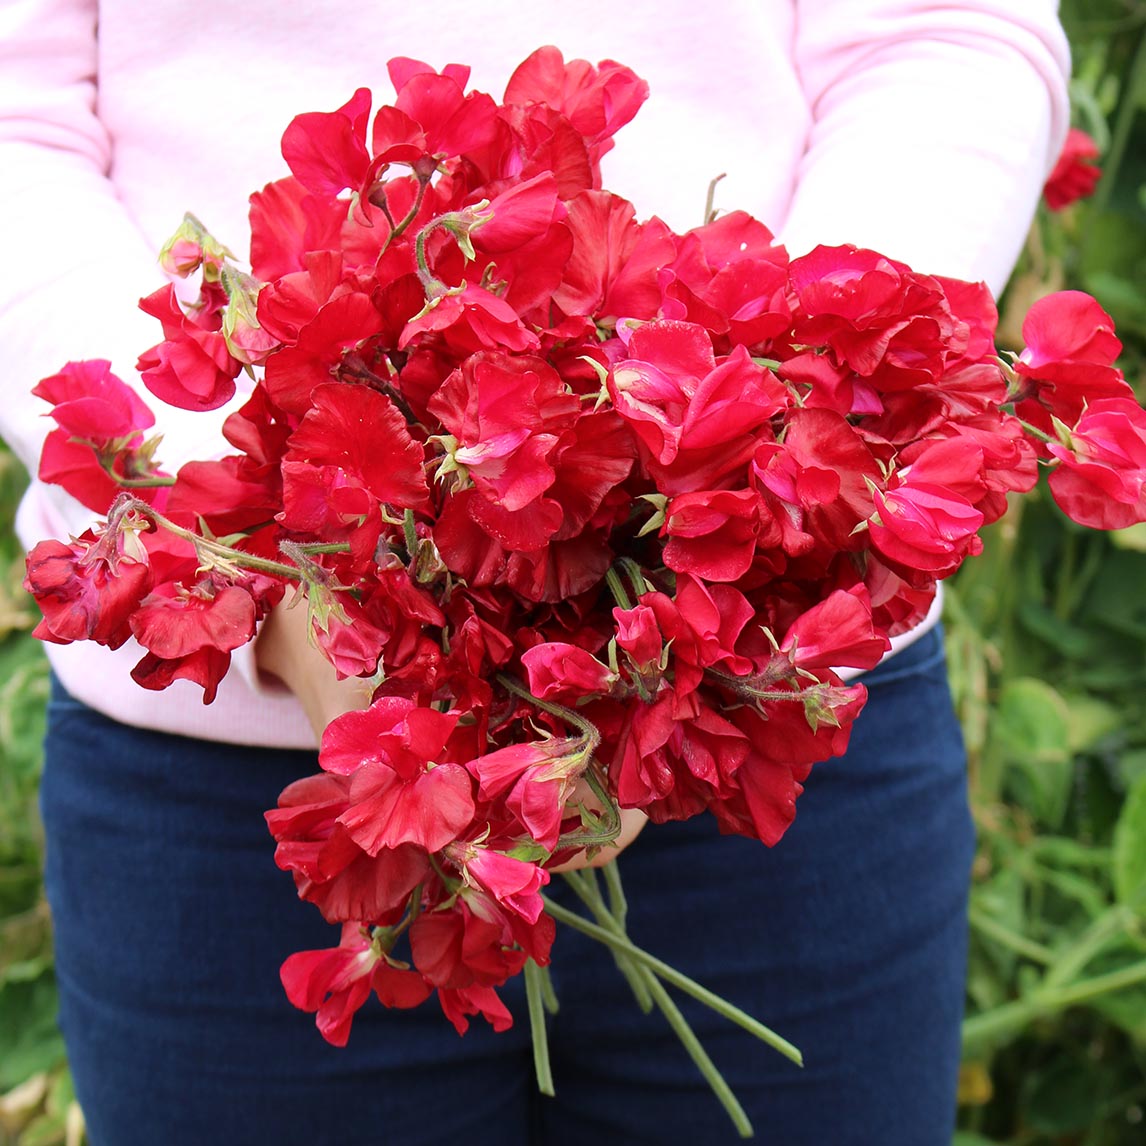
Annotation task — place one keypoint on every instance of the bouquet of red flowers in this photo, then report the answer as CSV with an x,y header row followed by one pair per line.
x,y
599,510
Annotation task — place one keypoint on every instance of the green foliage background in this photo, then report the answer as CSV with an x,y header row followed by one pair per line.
x,y
1047,642
1047,646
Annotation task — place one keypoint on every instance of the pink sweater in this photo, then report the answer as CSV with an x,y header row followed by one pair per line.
x,y
921,129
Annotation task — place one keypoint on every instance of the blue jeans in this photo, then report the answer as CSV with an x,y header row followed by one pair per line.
x,y
848,938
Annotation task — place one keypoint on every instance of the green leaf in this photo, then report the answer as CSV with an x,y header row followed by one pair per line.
x,y
1069,640
47,1130
1131,766
1129,866
1126,1009
1090,720
1133,537
1031,729
30,1041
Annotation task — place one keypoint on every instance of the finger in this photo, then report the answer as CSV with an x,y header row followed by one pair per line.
x,y
633,821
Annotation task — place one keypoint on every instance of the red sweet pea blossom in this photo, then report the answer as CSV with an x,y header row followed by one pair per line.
x,y
563,672
638,635
597,101
920,524
471,319
99,440
400,792
459,948
837,631
459,1002
192,368
514,883
75,467
1100,481
1069,359
1075,174
729,277
88,590
365,437
713,534
613,270
326,151
330,870
337,981
535,781
190,633
875,314
818,478
91,403
699,419
324,343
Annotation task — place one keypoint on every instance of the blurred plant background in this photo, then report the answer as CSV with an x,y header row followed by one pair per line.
x,y
1047,644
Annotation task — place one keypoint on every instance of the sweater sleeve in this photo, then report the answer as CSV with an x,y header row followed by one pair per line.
x,y
933,128
76,263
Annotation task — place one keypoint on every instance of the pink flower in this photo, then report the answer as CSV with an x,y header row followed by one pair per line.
x,y
326,151
597,101
190,634
344,429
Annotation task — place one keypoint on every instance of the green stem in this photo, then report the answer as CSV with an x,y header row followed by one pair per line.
x,y
433,287
612,815
618,904
410,533
1064,576
1020,944
635,574
411,215
584,883
1035,432
746,686
645,983
671,975
548,994
1087,989
699,1055
534,994
139,483
617,588
1000,1022
610,827
1074,959
585,727
224,552
1128,106
313,548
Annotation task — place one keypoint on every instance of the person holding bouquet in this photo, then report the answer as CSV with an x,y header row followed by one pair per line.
x,y
924,132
